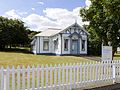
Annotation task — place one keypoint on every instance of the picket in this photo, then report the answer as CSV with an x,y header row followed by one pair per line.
x,y
18,78
42,77
23,78
51,77
2,78
55,76
46,77
7,79
33,77
13,78
28,78
63,76
38,77
66,75
59,77
70,76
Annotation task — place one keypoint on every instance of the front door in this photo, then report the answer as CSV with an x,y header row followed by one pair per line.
x,y
74,46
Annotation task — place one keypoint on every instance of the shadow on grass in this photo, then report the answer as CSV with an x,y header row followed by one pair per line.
x,y
117,55
16,50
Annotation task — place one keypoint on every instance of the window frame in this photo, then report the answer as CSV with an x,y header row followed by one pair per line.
x,y
66,45
83,45
46,40
56,44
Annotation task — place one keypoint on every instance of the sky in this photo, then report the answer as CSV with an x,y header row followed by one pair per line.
x,y
39,15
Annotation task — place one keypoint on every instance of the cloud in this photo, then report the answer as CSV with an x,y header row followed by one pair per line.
x,y
41,3
88,3
37,22
14,14
51,18
63,17
33,9
22,13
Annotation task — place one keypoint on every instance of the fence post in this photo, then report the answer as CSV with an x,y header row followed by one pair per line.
x,y
113,71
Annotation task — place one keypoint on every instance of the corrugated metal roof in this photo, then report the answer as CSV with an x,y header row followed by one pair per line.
x,y
49,32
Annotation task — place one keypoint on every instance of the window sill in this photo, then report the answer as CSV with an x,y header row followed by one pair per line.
x,y
65,50
45,50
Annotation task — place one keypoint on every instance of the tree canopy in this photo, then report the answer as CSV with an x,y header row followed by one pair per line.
x,y
12,33
104,21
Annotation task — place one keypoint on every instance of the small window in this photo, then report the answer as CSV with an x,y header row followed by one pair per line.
x,y
83,45
56,44
46,45
66,44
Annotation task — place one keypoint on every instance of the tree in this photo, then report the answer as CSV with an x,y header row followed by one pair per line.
x,y
31,34
104,18
12,33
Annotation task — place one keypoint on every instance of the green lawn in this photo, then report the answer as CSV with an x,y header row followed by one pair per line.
x,y
117,56
21,57
13,58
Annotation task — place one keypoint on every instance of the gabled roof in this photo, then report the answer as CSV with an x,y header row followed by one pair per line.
x,y
75,33
76,24
54,31
49,32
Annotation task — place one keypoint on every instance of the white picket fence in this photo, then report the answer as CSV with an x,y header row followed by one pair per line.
x,y
59,77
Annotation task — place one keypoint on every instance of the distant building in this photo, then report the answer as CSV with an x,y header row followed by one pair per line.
x,y
71,40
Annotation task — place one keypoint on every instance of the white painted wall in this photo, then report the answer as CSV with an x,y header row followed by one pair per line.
x,y
50,45
38,45
59,45
38,48
33,47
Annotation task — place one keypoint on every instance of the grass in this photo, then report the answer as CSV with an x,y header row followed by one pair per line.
x,y
117,56
18,57
22,58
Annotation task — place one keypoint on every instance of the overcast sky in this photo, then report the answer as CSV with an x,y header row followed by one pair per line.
x,y
41,14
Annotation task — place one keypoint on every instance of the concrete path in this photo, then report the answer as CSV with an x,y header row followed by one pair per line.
x,y
108,87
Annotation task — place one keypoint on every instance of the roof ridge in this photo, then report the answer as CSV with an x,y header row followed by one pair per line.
x,y
55,28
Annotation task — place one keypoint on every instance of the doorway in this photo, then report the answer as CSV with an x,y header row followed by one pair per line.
x,y
74,46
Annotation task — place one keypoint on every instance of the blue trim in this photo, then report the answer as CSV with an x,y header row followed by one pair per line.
x,y
61,42
75,33
78,45
39,44
76,51
70,45
78,42
58,54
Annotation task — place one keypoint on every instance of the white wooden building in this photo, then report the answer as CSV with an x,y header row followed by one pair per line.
x,y
71,40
